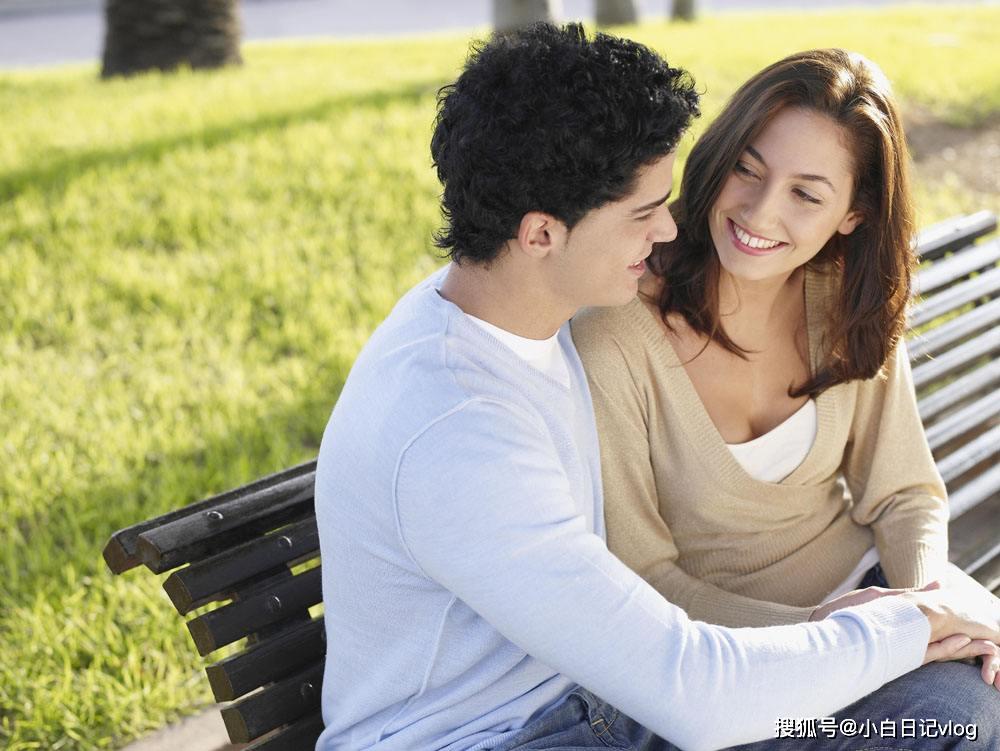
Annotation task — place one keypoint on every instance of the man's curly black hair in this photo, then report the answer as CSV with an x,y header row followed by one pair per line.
x,y
545,119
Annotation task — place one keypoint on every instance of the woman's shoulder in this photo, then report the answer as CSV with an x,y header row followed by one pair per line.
x,y
598,323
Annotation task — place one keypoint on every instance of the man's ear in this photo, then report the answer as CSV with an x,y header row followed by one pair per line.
x,y
849,222
540,233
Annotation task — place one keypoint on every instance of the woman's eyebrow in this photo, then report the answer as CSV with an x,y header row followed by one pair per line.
x,y
801,176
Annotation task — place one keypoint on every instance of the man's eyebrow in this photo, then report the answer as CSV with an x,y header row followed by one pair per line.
x,y
802,176
652,205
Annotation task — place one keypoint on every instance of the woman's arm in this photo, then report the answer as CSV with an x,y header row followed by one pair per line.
x,y
895,484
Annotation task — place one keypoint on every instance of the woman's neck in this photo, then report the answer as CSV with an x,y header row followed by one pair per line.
x,y
753,312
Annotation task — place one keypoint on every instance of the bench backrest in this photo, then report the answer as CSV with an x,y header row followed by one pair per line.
x,y
256,548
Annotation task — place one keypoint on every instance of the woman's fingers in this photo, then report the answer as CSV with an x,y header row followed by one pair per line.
x,y
947,649
961,647
990,668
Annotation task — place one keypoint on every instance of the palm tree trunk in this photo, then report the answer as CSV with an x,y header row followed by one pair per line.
x,y
162,34
683,10
612,12
511,14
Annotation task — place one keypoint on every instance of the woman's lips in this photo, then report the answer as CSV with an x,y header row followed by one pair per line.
x,y
744,248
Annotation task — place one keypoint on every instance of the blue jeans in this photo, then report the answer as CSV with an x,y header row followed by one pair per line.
x,y
943,706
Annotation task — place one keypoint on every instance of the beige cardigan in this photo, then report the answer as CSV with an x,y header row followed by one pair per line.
x,y
733,550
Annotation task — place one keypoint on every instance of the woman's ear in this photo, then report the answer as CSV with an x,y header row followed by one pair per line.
x,y
849,222
540,233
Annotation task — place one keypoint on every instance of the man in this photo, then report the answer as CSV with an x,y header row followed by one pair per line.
x,y
470,599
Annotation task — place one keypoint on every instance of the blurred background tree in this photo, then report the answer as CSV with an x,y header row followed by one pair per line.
x,y
163,34
510,14
682,10
612,12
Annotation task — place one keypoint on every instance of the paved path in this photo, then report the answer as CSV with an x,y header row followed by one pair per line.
x,y
46,32
202,732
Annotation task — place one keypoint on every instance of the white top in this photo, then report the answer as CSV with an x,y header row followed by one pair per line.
x,y
542,354
775,455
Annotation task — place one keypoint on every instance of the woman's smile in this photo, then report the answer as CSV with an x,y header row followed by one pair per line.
x,y
752,244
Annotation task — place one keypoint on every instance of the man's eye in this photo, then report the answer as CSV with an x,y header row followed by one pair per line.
x,y
644,217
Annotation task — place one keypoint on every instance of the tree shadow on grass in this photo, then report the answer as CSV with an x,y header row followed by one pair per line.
x,y
53,178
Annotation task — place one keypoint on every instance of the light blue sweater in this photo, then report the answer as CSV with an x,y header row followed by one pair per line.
x,y
467,585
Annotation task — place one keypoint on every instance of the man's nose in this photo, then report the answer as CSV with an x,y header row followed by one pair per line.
x,y
664,230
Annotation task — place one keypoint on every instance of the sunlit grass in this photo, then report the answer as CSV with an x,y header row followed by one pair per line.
x,y
190,264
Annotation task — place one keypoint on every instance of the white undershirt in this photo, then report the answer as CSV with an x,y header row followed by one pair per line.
x,y
775,455
545,355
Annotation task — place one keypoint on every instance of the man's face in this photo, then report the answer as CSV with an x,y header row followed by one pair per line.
x,y
604,255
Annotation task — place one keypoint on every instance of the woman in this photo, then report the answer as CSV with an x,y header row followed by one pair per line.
x,y
759,381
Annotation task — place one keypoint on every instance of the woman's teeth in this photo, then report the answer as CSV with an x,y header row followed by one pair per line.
x,y
751,241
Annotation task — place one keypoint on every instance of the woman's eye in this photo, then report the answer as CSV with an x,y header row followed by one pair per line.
x,y
742,169
807,196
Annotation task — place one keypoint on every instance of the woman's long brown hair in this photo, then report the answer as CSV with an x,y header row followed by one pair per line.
x,y
875,261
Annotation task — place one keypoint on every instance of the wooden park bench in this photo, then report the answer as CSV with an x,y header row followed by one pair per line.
x,y
255,549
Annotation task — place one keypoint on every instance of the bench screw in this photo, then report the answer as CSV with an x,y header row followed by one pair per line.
x,y
284,542
215,516
307,691
274,604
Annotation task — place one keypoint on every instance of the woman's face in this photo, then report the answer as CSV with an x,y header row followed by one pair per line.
x,y
789,192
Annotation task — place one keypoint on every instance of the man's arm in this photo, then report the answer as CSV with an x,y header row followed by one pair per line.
x,y
485,509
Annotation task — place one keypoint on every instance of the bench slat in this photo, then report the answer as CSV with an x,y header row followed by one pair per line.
x,y
216,577
973,539
120,553
984,285
268,661
962,420
196,535
239,619
951,269
971,454
974,493
989,575
298,737
970,351
958,328
953,234
968,385
274,706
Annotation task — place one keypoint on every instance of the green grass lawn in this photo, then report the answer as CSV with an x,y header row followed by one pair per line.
x,y
190,264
